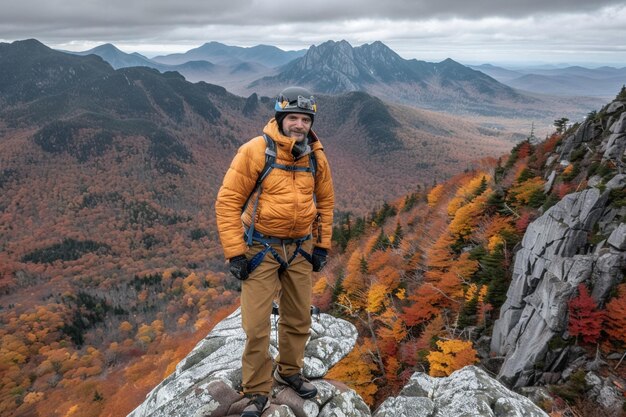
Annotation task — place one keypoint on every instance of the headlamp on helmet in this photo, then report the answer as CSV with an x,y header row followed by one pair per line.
x,y
296,100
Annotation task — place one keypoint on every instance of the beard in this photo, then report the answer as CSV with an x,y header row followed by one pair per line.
x,y
298,135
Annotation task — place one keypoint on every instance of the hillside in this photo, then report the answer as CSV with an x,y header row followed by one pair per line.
x,y
109,262
517,265
231,70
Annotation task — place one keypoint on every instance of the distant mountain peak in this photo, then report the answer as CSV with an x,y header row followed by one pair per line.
x,y
219,53
30,44
337,67
108,48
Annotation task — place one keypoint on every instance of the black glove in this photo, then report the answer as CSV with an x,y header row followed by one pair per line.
x,y
319,259
239,267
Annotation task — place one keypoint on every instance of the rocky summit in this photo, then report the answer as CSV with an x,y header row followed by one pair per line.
x,y
207,382
468,392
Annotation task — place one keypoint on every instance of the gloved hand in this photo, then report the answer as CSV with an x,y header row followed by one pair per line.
x,y
239,267
319,259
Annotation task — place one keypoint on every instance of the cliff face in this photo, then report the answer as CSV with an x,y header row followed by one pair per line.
x,y
557,255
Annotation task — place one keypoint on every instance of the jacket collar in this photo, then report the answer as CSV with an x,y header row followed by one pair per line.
x,y
285,142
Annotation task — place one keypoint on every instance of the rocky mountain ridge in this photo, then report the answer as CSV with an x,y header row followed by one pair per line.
x,y
335,67
219,65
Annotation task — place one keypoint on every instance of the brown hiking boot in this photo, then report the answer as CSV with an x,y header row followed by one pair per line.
x,y
257,405
298,383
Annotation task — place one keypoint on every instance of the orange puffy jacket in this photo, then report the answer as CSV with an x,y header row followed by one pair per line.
x,y
286,208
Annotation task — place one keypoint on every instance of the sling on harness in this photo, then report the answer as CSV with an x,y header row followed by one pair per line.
x,y
315,312
252,235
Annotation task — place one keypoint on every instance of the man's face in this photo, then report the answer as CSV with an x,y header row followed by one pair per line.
x,y
297,125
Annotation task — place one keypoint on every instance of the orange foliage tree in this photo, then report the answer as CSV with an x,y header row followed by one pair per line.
x,y
452,355
357,370
616,315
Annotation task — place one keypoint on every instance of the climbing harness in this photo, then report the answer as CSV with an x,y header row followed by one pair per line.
x,y
267,241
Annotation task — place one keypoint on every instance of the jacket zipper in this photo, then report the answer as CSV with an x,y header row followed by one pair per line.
x,y
295,211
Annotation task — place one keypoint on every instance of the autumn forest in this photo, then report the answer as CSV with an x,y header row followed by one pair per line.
x,y
110,269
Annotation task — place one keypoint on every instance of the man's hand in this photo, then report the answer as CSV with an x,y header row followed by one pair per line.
x,y
319,259
239,267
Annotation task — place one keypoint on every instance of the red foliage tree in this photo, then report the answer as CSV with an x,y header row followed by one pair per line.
x,y
584,319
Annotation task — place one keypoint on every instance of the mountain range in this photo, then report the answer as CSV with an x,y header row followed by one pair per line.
x,y
568,81
212,62
218,53
335,67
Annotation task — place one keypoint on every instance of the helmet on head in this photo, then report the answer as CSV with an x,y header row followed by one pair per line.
x,y
295,100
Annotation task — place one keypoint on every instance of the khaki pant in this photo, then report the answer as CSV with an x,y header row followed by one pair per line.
x,y
294,324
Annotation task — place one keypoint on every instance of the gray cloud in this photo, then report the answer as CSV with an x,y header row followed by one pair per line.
x,y
151,15
430,29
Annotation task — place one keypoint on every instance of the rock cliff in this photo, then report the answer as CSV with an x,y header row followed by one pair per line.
x,y
581,239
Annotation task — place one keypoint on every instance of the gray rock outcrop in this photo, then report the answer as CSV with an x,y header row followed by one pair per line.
x,y
206,384
615,147
547,270
556,255
207,381
583,134
605,393
468,392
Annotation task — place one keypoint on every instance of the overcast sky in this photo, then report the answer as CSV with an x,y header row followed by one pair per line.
x,y
590,32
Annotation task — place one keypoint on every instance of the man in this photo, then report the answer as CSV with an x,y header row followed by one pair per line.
x,y
274,238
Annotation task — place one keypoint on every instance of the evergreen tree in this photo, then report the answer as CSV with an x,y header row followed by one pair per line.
x,y
398,234
364,267
382,242
481,188
495,202
622,94
492,273
499,171
537,199
410,201
525,175
338,290
339,237
561,124
467,316
359,228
